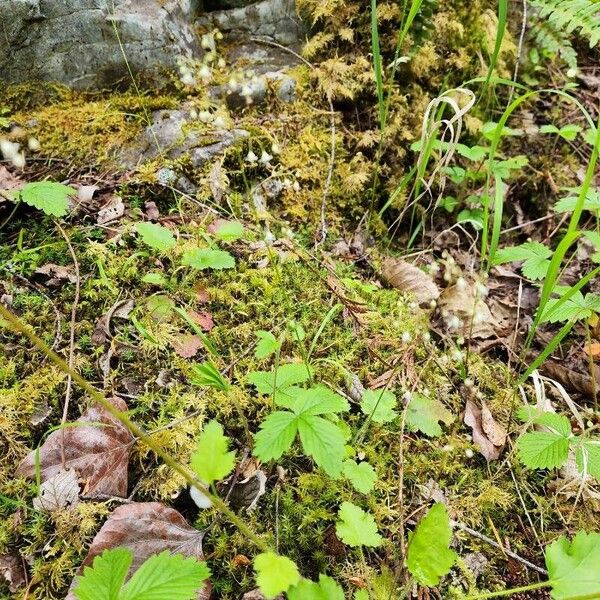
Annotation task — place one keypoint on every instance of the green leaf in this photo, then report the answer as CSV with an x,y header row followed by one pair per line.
x,y
549,129
569,132
324,441
576,308
207,258
591,201
423,414
229,231
318,400
276,435
326,589
474,153
207,374
155,236
489,130
166,575
361,595
154,279
573,566
281,382
211,461
275,574
357,527
534,254
267,345
104,579
361,475
588,457
48,196
474,216
543,449
429,555
379,405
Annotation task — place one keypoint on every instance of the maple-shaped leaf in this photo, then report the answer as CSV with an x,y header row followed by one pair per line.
x,y
96,446
535,257
379,405
357,527
146,529
423,414
281,383
208,258
547,449
361,475
575,308
211,461
275,574
156,236
429,556
325,589
573,566
48,196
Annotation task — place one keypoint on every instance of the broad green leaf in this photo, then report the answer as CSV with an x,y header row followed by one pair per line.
x,y
276,435
275,574
48,196
379,405
474,153
211,461
166,575
326,589
591,202
569,132
576,308
504,168
594,238
423,414
543,449
207,258
474,216
429,555
549,129
104,579
155,236
573,566
588,457
361,475
318,400
357,527
324,441
280,382
267,345
229,231
154,279
556,423
534,254
361,595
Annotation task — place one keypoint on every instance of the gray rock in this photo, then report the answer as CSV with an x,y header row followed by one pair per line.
x,y
74,41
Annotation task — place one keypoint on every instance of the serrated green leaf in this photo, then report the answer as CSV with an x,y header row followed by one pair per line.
x,y
576,308
588,457
318,400
229,231
156,236
361,475
379,405
211,461
275,574
281,382
208,258
267,345
324,441
423,414
154,279
549,129
591,202
474,153
489,130
557,423
326,589
105,578
569,132
361,595
357,527
543,449
48,196
429,555
573,566
534,254
276,435
166,575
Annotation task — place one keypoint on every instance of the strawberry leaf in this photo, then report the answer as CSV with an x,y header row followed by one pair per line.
x,y
357,527
48,196
275,574
155,236
211,461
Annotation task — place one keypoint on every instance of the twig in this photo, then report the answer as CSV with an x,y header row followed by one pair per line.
x,y
71,342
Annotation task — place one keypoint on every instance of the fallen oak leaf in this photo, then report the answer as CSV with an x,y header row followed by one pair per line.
x,y
146,529
405,277
97,446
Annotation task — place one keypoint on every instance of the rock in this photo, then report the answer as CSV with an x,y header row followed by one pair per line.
x,y
74,41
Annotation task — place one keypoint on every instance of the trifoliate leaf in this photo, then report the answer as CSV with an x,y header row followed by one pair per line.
x,y
489,130
576,308
423,414
166,575
588,457
361,475
229,231
280,382
155,236
276,435
534,254
207,258
556,423
568,132
275,574
324,441
326,589
379,405
318,400
429,555
267,345
48,196
105,578
573,566
357,527
474,153
211,461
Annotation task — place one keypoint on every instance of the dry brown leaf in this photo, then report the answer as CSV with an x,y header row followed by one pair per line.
x,y
56,274
204,319
494,431
112,210
474,313
85,193
60,491
407,278
571,379
473,418
11,570
187,345
146,529
97,448
594,349
8,181
152,212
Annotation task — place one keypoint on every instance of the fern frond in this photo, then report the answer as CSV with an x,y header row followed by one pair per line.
x,y
581,16
552,42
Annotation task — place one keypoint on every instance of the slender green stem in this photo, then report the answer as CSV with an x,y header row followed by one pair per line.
x,y
525,588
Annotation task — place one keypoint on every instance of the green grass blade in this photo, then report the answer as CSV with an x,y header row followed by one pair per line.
x,y
377,65
502,20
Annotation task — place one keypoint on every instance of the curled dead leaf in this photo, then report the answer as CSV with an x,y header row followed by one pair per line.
x,y
474,418
405,277
11,570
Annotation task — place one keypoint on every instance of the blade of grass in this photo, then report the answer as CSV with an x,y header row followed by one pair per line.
x,y
377,65
502,20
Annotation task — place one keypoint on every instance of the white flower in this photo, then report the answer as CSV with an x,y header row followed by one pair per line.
x,y
406,337
265,157
275,149
34,144
461,284
453,322
220,123
9,149
19,160
205,73
205,116
208,41
200,500
188,79
251,157
469,453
